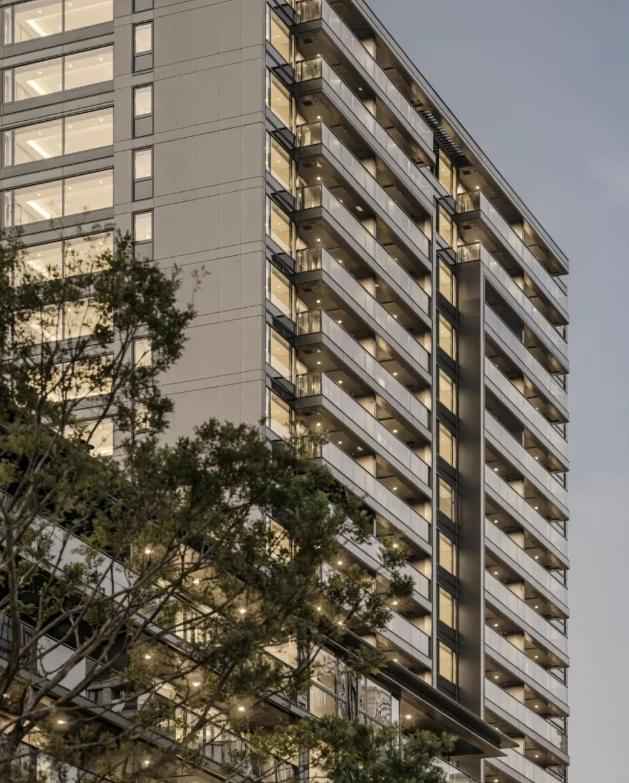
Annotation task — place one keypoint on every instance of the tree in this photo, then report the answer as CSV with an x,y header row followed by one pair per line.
x,y
161,605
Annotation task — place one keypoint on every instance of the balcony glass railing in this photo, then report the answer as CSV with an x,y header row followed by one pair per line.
x,y
525,717
530,567
367,487
322,260
319,384
476,201
318,196
525,770
535,421
353,354
369,127
536,372
362,179
518,507
351,47
401,628
537,321
502,648
515,452
522,612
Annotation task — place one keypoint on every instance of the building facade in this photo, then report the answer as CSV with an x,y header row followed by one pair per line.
x,y
367,276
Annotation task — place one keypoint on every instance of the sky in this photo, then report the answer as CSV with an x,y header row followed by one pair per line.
x,y
543,86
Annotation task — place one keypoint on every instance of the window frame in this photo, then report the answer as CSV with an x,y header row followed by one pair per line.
x,y
136,89
134,221
137,27
139,151
9,10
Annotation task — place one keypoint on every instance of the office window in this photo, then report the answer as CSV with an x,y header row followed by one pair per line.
x,y
85,254
100,436
279,226
86,68
447,337
143,101
279,290
448,664
88,131
447,609
40,18
80,319
279,100
33,203
447,392
142,352
143,164
33,80
143,226
278,34
143,38
279,354
89,192
447,283
44,260
278,162
85,14
278,415
447,500
447,554
447,446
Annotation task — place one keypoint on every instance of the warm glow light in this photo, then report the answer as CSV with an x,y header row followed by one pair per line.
x,y
241,708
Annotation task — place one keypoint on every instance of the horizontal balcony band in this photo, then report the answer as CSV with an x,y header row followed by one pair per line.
x,y
520,665
470,204
317,136
316,324
507,602
525,720
528,568
524,514
369,553
364,244
374,494
515,296
358,299
522,409
320,11
317,389
520,770
408,638
518,353
504,442
320,77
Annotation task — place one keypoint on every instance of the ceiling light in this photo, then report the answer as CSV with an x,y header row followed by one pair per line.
x,y
318,239
318,301
496,469
395,374
242,610
396,660
536,606
496,625
196,684
496,676
408,716
340,443
147,656
241,708
148,550
339,562
395,432
496,573
318,424
340,383
146,762
61,721
395,602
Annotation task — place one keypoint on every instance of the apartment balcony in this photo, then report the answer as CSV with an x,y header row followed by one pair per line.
x,y
316,76
525,515
519,769
517,662
513,451
369,553
32,764
476,206
511,292
507,602
317,325
356,237
318,138
408,638
520,407
524,720
320,391
321,265
529,365
528,568
373,493
318,15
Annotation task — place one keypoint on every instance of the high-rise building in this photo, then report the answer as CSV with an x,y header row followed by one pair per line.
x,y
369,276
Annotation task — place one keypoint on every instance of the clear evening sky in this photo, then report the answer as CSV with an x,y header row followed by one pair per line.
x,y
543,86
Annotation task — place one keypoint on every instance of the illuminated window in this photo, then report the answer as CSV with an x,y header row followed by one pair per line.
x,y
447,173
86,68
279,226
446,227
448,664
278,163
447,500
88,192
143,101
88,131
278,415
447,446
279,290
278,35
447,392
447,609
143,164
143,226
279,353
143,38
447,554
279,100
447,337
40,18
447,283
